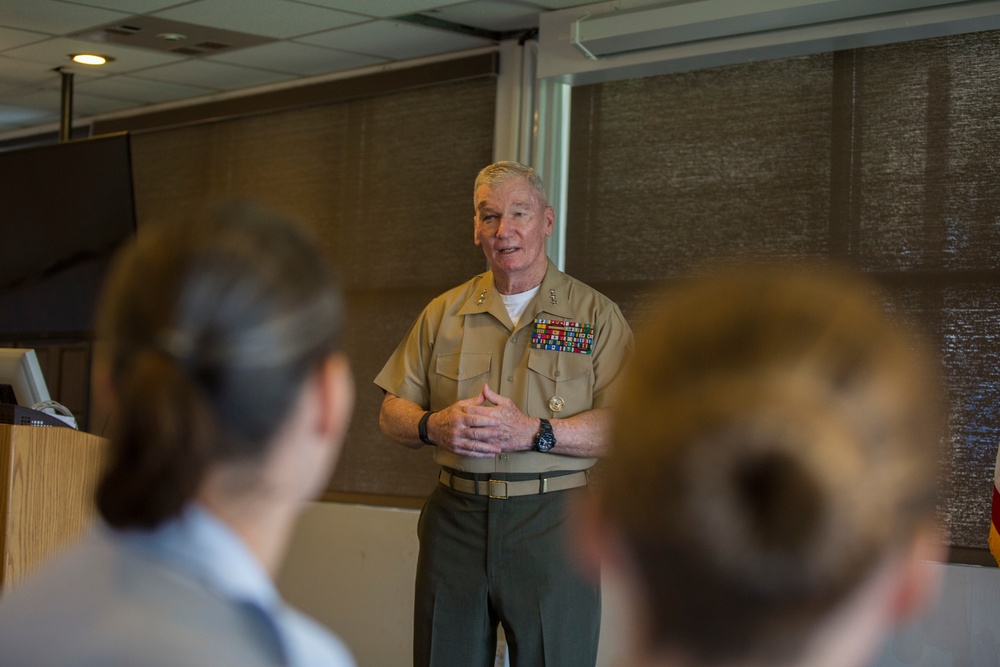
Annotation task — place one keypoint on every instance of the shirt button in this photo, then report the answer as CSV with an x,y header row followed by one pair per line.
x,y
513,339
557,373
510,378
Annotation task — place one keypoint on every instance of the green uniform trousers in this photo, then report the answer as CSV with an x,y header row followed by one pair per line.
x,y
486,561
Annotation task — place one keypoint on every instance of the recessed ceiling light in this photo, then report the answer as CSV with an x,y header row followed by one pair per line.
x,y
90,58
172,36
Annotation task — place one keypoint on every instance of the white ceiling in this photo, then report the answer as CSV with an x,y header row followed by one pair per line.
x,y
294,39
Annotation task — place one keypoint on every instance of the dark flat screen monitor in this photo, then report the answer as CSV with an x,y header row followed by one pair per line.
x,y
66,208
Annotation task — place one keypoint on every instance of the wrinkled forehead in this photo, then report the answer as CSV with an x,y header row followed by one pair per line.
x,y
515,191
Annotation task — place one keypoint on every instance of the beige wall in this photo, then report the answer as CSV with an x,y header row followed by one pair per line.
x,y
351,567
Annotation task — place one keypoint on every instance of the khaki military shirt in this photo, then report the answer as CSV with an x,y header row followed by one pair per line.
x,y
464,338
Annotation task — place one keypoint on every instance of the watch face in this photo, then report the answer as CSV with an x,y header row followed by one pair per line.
x,y
545,440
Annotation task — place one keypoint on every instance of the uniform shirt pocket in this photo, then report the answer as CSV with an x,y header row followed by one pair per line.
x,y
457,376
560,384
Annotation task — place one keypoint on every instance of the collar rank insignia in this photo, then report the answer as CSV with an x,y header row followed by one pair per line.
x,y
563,336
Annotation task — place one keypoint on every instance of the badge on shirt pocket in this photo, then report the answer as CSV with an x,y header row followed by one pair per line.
x,y
563,384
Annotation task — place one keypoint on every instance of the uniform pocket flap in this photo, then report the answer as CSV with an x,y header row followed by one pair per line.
x,y
463,366
559,366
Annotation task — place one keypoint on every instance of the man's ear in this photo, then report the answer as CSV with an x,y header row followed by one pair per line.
x,y
475,230
920,574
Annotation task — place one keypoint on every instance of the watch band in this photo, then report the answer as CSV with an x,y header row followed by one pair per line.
x,y
545,440
422,429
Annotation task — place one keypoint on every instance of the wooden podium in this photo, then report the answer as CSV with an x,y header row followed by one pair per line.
x,y
47,480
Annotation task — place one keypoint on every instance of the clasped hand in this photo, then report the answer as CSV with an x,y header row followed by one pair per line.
x,y
484,426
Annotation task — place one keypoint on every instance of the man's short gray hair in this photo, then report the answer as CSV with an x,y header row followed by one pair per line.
x,y
499,173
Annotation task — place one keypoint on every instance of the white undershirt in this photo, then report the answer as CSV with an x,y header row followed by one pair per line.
x,y
516,303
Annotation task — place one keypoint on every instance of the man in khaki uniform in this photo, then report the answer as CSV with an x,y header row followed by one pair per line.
x,y
509,376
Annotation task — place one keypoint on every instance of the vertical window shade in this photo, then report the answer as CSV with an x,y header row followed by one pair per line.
x,y
666,172
387,182
885,157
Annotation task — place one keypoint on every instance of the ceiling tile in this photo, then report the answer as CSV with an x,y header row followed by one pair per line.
x,y
91,105
130,6
179,38
398,41
55,53
13,117
218,76
494,15
144,91
11,38
272,18
565,4
9,89
52,17
83,105
30,76
318,37
383,8
25,72
301,59
44,100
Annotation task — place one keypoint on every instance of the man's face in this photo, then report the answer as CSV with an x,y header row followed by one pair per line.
x,y
511,224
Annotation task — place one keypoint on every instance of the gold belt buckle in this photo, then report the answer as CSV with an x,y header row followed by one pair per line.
x,y
496,494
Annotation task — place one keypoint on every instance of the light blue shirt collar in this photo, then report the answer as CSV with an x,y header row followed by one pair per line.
x,y
202,546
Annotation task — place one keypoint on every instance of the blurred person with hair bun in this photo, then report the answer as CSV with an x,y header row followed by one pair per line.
x,y
220,358
770,498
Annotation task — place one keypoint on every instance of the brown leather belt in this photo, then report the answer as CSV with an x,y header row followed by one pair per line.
x,y
502,488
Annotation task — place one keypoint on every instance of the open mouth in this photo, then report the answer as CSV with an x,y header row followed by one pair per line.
x,y
507,251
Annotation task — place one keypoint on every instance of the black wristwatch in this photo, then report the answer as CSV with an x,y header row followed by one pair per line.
x,y
422,429
546,439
